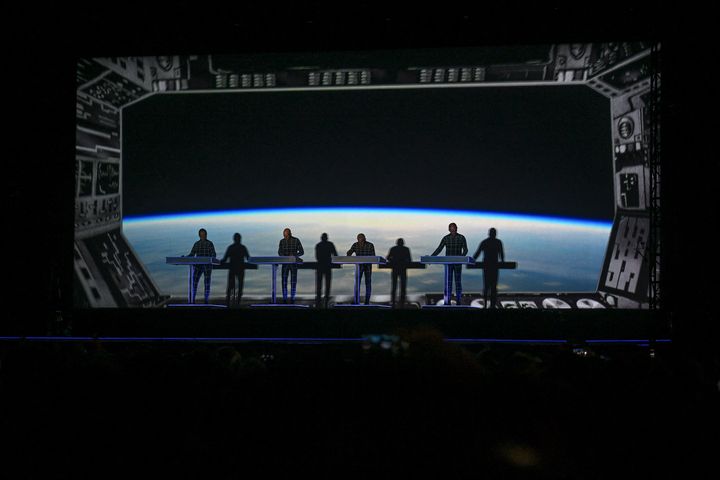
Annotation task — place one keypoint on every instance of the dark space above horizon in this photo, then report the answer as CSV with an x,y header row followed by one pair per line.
x,y
530,150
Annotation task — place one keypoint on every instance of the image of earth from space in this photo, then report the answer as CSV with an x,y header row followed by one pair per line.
x,y
554,255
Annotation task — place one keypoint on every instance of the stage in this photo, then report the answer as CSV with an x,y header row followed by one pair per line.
x,y
465,325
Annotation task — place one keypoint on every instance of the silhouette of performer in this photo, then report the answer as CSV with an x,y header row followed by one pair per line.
x,y
202,248
399,258
237,253
493,249
289,246
363,247
323,253
454,244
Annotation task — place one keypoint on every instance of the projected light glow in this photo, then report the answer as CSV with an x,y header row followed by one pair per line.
x,y
549,221
534,242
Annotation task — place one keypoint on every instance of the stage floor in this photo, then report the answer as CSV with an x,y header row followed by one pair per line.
x,y
505,301
348,324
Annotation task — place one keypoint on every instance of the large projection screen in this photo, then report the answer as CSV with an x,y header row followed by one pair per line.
x,y
546,144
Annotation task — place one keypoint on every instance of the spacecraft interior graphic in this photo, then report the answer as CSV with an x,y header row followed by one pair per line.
x,y
552,145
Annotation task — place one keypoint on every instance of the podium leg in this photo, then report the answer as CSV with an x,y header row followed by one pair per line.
x,y
357,284
447,285
274,282
190,284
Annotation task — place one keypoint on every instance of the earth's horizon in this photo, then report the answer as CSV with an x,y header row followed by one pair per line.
x,y
553,254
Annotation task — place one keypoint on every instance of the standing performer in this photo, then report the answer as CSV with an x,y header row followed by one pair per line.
x,y
454,244
202,248
493,249
360,248
399,257
289,247
323,254
237,253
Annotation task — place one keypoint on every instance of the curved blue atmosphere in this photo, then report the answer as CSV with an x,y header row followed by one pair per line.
x,y
379,210
553,254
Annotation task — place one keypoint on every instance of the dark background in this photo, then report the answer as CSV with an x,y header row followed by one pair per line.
x,y
44,42
538,150
48,398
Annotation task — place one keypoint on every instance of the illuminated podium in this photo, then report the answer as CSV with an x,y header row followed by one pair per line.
x,y
191,262
446,261
274,262
358,260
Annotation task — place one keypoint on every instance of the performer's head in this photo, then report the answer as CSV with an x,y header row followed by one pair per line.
x,y
361,237
237,237
324,237
492,233
287,233
400,242
452,228
203,234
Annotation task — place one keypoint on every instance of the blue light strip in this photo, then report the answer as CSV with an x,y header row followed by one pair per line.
x,y
180,339
504,340
639,341
318,340
49,339
387,210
